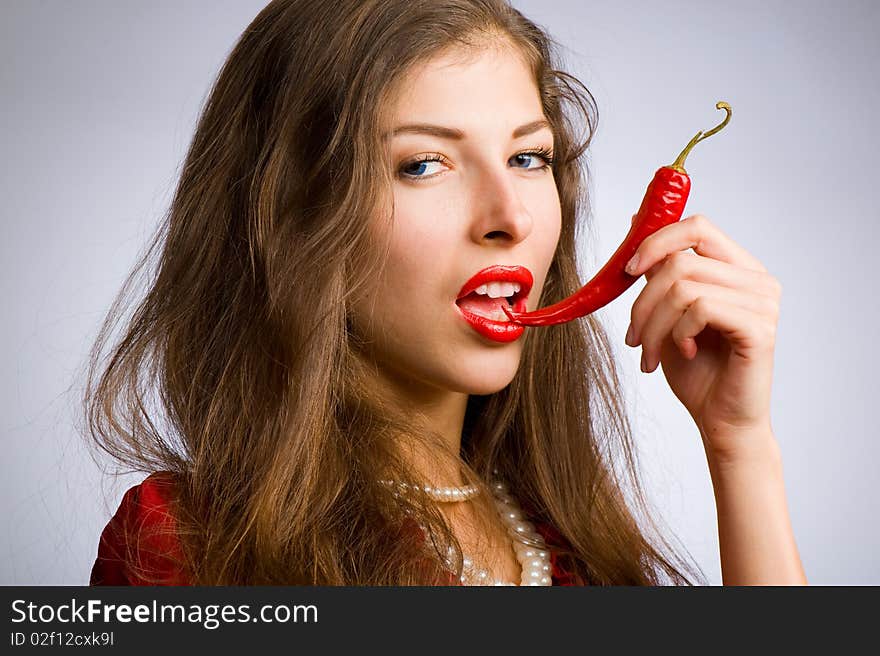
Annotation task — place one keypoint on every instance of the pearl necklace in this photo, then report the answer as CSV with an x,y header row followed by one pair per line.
x,y
534,559
463,493
531,550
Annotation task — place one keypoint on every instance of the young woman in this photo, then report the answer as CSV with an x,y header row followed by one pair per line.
x,y
330,411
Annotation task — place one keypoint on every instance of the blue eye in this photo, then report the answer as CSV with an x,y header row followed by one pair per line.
x,y
543,153
416,168
413,170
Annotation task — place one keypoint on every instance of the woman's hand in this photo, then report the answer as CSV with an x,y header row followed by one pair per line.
x,y
710,319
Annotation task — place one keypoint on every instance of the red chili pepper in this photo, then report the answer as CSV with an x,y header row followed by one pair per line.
x,y
662,205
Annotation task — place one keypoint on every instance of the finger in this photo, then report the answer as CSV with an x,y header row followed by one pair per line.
x,y
679,298
696,232
746,331
689,266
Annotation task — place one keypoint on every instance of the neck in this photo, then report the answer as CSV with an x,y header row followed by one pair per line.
x,y
439,410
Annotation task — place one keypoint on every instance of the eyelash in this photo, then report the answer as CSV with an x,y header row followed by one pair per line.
x,y
544,153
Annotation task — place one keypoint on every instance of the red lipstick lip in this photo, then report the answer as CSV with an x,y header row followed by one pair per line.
x,y
497,331
500,273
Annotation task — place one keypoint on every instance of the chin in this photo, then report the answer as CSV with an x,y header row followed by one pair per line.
x,y
488,373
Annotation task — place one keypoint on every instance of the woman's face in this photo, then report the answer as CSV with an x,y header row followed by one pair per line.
x,y
486,203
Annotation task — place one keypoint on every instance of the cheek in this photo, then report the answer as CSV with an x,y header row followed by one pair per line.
x,y
549,225
412,283
421,236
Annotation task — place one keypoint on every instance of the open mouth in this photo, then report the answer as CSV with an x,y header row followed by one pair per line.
x,y
484,298
483,305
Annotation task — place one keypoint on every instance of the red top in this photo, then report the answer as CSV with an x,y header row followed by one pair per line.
x,y
154,555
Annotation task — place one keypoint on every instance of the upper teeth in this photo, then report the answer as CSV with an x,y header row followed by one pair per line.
x,y
498,289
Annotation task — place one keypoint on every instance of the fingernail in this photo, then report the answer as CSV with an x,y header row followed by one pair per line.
x,y
629,335
632,264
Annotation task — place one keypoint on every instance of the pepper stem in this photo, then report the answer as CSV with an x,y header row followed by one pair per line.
x,y
678,165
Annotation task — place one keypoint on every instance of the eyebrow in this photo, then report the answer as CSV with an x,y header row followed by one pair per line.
x,y
457,135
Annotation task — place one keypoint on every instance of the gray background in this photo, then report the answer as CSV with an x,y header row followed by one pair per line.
x,y
99,100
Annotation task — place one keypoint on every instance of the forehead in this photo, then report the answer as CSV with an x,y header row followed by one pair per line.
x,y
486,87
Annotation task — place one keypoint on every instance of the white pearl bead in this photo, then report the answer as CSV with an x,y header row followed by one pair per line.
x,y
527,543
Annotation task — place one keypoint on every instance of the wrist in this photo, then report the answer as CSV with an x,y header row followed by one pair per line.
x,y
745,451
755,535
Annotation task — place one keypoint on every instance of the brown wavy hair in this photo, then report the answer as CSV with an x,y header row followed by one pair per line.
x,y
239,372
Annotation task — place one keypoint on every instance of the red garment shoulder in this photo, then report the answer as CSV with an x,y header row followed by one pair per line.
x,y
140,544
559,563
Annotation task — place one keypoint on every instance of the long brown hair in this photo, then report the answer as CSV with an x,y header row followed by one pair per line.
x,y
239,371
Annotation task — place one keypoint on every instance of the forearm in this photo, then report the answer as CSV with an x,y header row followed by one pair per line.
x,y
754,530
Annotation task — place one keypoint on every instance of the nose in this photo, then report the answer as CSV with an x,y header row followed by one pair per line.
x,y
499,215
